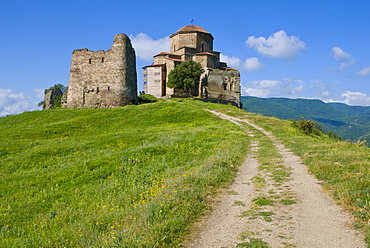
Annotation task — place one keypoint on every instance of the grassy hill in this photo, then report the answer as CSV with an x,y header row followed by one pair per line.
x,y
100,177
139,176
350,122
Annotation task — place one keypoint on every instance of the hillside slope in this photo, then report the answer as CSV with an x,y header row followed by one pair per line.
x,y
350,122
100,177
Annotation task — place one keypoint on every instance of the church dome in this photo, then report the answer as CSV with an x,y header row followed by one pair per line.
x,y
191,29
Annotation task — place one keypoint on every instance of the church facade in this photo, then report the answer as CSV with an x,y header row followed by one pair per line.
x,y
218,83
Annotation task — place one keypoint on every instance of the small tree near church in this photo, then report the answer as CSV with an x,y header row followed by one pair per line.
x,y
185,76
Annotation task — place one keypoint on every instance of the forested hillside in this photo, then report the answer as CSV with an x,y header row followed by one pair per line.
x,y
349,122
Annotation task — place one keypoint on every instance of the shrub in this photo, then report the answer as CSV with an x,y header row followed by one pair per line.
x,y
307,127
334,135
147,98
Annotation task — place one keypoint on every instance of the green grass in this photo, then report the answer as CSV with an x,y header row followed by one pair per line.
x,y
265,215
238,203
259,182
253,243
287,201
100,177
263,201
244,235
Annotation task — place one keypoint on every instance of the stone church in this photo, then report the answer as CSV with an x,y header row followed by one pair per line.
x,y
218,83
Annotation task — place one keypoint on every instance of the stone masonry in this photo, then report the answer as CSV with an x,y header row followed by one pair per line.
x,y
103,79
51,96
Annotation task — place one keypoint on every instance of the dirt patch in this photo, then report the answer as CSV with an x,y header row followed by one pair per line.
x,y
284,207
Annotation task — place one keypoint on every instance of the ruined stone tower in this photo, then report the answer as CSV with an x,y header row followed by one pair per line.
x,y
103,79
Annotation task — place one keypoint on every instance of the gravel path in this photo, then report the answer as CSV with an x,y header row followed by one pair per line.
x,y
302,214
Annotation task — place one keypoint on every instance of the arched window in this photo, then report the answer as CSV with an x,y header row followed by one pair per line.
x,y
203,47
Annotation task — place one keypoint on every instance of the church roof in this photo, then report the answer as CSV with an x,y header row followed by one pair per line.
x,y
205,53
191,29
164,53
154,65
180,60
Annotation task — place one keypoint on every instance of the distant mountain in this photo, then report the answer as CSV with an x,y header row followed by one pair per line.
x,y
349,122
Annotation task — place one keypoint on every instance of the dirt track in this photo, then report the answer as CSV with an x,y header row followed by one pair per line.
x,y
307,218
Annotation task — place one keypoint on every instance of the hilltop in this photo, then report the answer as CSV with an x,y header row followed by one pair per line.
x,y
99,177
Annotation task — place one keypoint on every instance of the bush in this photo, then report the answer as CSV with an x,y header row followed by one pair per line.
x,y
334,135
147,98
307,127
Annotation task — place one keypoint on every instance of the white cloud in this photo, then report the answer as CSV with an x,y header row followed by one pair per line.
x,y
339,54
364,72
233,62
17,102
146,47
278,45
13,102
250,64
345,59
320,90
253,64
262,88
355,98
39,93
291,87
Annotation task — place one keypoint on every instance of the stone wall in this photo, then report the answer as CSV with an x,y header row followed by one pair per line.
x,y
51,95
103,79
201,42
222,86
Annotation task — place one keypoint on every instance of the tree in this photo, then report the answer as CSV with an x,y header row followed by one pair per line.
x,y
60,87
185,76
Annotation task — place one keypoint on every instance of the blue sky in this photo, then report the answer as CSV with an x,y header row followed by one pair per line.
x,y
283,48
